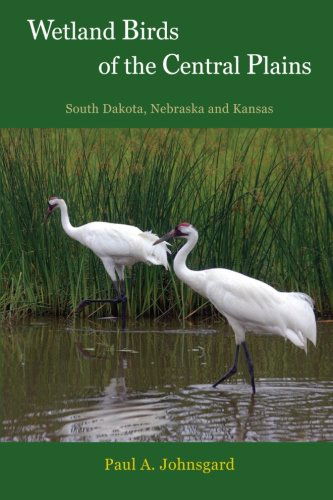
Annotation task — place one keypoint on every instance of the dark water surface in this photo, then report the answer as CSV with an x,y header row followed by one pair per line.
x,y
89,382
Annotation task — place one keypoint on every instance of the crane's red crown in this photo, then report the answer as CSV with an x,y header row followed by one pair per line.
x,y
178,231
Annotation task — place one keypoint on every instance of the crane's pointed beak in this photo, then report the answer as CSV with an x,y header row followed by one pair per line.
x,y
166,237
49,211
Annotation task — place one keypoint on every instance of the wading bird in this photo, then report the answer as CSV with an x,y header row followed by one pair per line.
x,y
248,304
117,245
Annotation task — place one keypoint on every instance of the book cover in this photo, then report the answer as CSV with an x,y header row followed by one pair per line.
x,y
166,248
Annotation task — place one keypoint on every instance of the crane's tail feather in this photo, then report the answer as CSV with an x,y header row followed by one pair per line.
x,y
157,254
303,326
303,296
296,338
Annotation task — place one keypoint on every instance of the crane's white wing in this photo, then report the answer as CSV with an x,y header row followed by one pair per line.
x,y
239,296
256,306
124,244
109,240
157,254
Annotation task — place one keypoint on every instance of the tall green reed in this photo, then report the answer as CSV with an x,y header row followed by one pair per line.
x,y
261,200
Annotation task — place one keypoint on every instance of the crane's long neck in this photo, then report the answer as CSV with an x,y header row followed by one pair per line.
x,y
65,222
180,267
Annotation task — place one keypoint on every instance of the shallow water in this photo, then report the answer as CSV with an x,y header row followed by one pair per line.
x,y
87,381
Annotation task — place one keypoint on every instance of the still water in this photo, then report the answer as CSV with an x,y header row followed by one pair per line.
x,y
88,381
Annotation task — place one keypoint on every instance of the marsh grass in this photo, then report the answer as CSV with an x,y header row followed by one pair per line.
x,y
261,200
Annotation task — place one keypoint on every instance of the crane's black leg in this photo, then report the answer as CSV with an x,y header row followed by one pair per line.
x,y
82,305
87,302
123,300
118,289
231,371
249,365
113,302
123,312
122,287
116,299
120,297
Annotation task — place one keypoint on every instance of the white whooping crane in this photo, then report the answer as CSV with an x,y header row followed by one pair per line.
x,y
248,304
117,245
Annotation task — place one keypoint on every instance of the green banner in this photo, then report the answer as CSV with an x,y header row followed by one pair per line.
x,y
144,65
84,470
